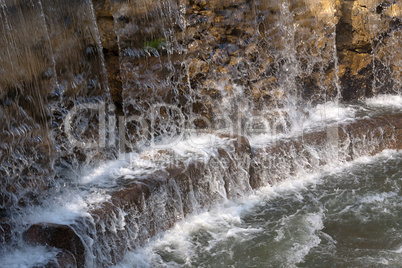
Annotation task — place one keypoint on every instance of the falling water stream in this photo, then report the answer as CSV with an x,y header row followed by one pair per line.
x,y
347,215
344,213
192,75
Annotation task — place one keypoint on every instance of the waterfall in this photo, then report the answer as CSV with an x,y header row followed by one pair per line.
x,y
27,77
384,39
120,118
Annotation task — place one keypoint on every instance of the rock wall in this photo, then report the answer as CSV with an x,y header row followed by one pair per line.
x,y
148,205
208,58
347,46
219,62
222,62
51,61
368,38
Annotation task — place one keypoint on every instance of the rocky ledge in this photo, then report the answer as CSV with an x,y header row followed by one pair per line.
x,y
193,54
140,209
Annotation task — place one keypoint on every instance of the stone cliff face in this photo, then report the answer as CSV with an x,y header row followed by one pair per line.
x,y
50,60
254,44
258,55
368,41
213,63
208,58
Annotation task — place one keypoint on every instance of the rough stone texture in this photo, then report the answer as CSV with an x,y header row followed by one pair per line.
x,y
50,60
26,79
190,54
228,36
5,233
248,52
108,37
345,142
59,236
396,121
368,36
152,203
64,259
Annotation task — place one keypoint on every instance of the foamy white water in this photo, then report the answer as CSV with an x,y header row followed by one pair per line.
x,y
94,186
73,202
330,111
385,101
27,257
315,118
289,217
224,226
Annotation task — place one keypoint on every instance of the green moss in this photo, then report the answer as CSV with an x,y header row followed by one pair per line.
x,y
157,43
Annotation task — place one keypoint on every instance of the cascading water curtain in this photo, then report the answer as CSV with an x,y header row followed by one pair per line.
x,y
27,78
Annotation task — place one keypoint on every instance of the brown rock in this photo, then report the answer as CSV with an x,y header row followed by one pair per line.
x,y
5,232
58,236
348,141
115,83
364,31
355,71
64,259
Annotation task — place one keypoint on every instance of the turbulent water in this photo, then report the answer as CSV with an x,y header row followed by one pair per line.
x,y
92,97
347,216
343,214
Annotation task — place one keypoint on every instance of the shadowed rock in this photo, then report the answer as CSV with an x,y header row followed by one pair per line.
x,y
5,233
310,151
59,236
144,206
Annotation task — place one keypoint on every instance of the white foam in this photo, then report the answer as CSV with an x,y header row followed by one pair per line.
x,y
62,210
399,250
319,116
331,111
304,239
204,145
373,261
76,202
103,175
378,198
260,140
221,222
28,257
385,100
151,158
224,221
387,153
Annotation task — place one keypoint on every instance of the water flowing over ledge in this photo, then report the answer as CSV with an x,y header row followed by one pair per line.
x,y
150,194
308,220
120,118
73,72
